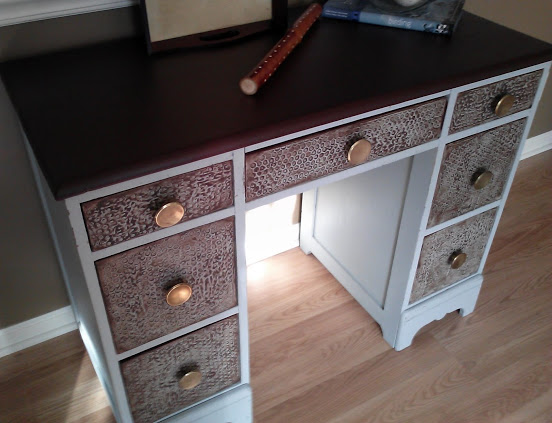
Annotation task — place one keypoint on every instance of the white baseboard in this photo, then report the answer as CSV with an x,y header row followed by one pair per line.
x,y
536,145
20,11
34,331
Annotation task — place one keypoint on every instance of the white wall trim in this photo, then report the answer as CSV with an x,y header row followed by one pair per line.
x,y
19,11
34,331
537,144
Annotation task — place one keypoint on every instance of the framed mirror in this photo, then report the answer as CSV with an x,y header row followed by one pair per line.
x,y
172,24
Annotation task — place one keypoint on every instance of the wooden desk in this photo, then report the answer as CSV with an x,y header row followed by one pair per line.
x,y
114,135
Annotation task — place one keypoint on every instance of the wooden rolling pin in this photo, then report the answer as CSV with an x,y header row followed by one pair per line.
x,y
268,65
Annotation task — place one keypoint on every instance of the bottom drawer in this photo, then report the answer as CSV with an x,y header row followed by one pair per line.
x,y
160,381
436,267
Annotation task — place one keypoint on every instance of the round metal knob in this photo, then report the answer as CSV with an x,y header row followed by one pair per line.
x,y
359,152
457,259
169,215
481,179
179,294
190,380
504,105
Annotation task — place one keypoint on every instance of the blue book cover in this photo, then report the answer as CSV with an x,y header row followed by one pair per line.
x,y
435,16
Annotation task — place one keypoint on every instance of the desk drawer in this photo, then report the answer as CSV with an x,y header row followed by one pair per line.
x,y
463,183
276,168
152,379
436,267
135,284
479,105
129,214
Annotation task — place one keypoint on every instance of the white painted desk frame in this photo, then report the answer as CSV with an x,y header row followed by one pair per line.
x,y
399,320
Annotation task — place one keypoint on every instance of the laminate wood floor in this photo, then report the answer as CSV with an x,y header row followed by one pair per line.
x,y
316,356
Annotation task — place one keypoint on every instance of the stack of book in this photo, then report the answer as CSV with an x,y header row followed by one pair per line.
x,y
435,16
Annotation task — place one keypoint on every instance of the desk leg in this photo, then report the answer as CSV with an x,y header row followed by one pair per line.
x,y
308,206
461,297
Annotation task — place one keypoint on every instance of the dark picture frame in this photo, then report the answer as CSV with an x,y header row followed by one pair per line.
x,y
173,24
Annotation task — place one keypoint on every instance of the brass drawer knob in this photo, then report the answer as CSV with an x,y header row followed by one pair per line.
x,y
359,152
481,179
179,294
504,105
457,259
169,215
190,380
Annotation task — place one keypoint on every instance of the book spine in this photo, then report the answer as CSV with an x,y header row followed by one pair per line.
x,y
414,24
337,13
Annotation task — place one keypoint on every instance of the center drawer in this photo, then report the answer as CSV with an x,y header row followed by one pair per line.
x,y
274,169
143,288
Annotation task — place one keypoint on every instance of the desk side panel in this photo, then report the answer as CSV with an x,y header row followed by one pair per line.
x,y
57,216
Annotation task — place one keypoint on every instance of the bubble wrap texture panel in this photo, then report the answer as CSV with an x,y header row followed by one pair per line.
x,y
129,214
494,151
151,378
434,272
474,107
134,283
276,168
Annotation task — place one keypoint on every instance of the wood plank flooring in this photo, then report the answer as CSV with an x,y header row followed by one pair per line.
x,y
316,356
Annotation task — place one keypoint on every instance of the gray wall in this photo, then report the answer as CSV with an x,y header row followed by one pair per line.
x,y
30,280
532,17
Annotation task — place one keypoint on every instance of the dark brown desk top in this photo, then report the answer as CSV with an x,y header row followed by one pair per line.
x,y
108,113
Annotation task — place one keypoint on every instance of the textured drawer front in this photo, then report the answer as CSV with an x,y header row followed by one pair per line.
x,y
135,283
276,168
151,378
434,270
126,215
492,151
476,106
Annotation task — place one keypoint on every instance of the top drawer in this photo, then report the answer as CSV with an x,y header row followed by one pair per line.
x,y
274,169
129,214
480,105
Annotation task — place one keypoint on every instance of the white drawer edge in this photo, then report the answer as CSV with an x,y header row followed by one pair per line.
x,y
151,178
431,301
463,217
487,126
346,121
500,77
178,333
162,233
218,407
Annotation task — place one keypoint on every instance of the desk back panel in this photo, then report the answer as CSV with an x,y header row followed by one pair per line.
x,y
357,222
